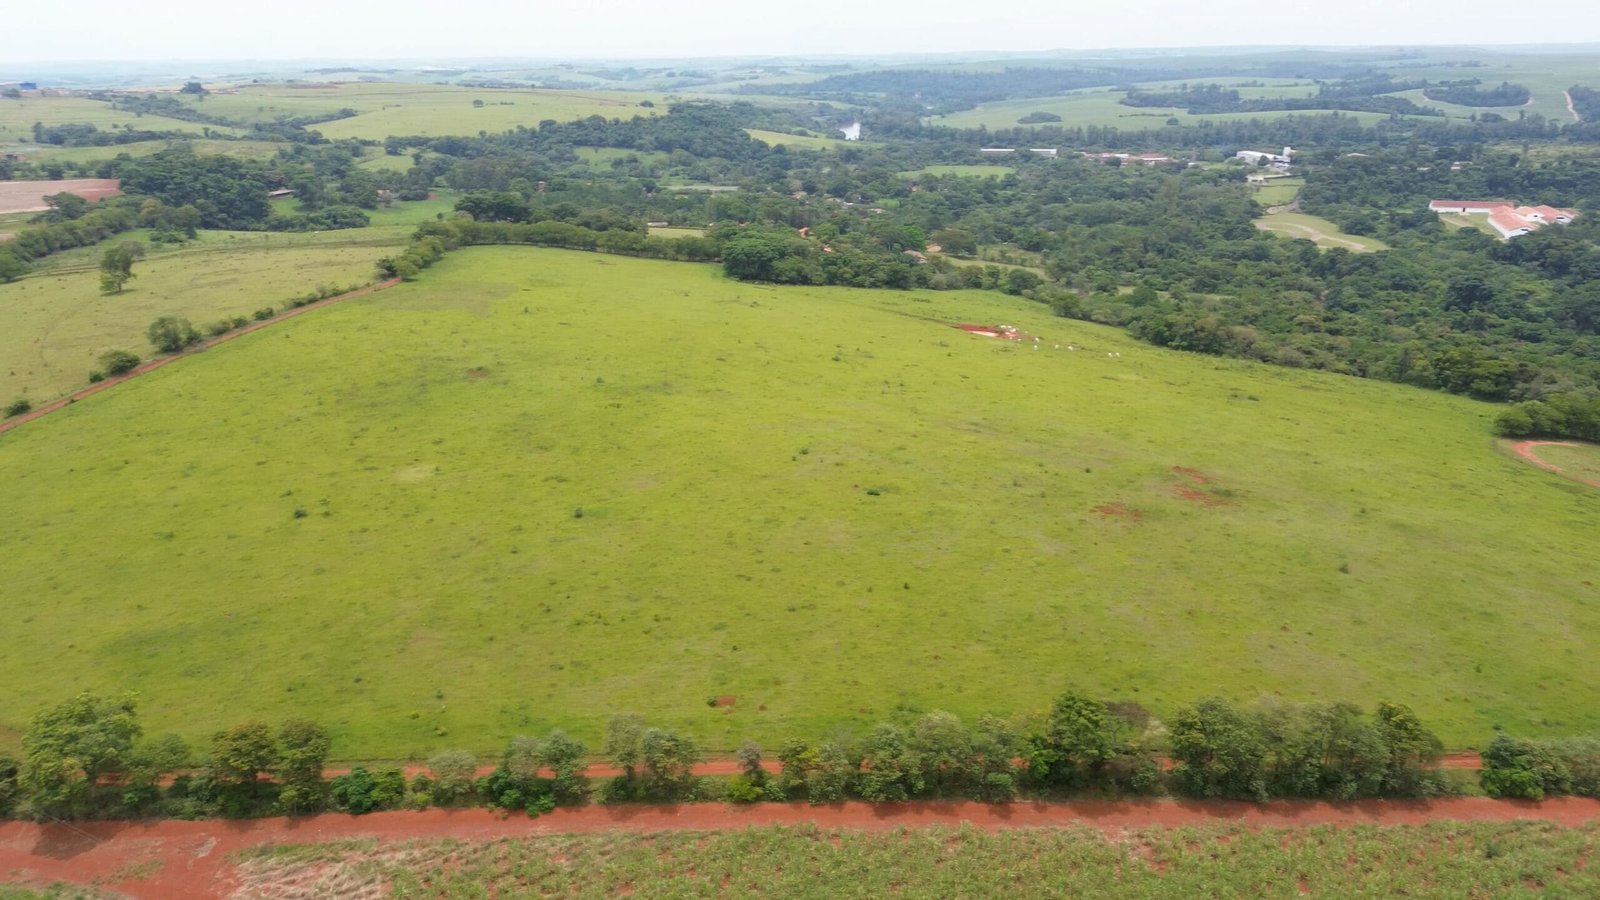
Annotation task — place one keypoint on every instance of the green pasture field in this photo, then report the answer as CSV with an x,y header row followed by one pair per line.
x,y
1580,461
537,487
973,171
1279,191
17,117
803,142
54,325
1461,220
1446,860
244,149
1102,107
1318,230
394,108
1546,76
413,106
670,231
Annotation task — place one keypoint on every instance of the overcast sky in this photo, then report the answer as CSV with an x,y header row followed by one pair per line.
x,y
54,30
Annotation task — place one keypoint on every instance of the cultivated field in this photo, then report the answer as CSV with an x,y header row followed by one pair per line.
x,y
28,196
1319,231
55,325
1447,860
537,487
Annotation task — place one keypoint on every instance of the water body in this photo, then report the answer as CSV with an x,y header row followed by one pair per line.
x,y
852,133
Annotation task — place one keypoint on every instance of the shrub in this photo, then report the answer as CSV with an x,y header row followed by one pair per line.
x,y
263,314
1522,769
740,789
116,362
453,772
96,377
18,406
170,334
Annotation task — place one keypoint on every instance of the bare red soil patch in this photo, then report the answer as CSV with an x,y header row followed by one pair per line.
x,y
1195,495
157,363
1120,510
1526,450
193,856
725,700
28,196
1194,475
1003,332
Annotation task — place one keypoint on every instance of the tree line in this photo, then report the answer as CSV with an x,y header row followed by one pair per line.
x,y
89,757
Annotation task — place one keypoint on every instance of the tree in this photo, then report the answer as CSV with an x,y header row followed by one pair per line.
x,y
169,334
70,746
1413,752
116,362
193,87
622,747
669,759
1080,740
1220,752
302,754
116,266
241,753
567,758
453,772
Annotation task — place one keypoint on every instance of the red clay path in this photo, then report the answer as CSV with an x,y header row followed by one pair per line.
x,y
1526,450
158,362
173,859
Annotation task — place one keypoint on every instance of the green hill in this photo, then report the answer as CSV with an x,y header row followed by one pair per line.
x,y
537,487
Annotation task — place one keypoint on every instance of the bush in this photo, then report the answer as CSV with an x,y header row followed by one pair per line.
x,y
17,407
116,362
362,792
96,377
170,334
263,314
453,772
1521,769
741,789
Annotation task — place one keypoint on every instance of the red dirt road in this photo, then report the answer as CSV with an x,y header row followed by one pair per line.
x,y
188,859
158,362
1526,450
28,196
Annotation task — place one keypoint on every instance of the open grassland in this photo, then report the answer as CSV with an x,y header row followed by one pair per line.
x,y
243,149
394,108
1545,75
537,487
55,325
17,117
1479,223
803,142
670,231
1447,860
1581,461
1102,108
1319,231
1279,191
974,171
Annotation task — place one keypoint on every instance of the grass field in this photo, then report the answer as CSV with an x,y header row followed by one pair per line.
x,y
670,231
17,117
1279,191
1580,461
1101,107
803,142
821,501
1318,230
974,171
55,325
394,108
245,149
1448,860
1479,223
